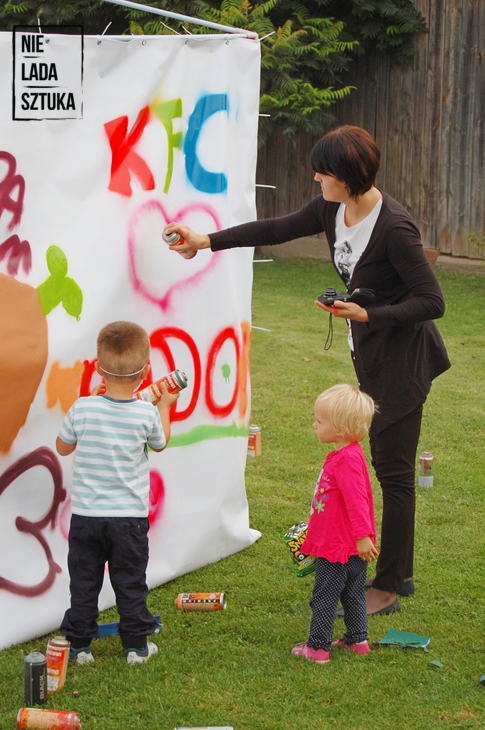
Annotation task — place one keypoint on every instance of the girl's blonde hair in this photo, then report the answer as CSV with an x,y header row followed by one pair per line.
x,y
348,409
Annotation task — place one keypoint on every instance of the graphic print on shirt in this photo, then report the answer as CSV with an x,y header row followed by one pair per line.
x,y
319,498
343,254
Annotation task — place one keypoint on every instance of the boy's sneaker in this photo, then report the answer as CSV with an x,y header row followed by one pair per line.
x,y
361,648
320,656
81,656
137,656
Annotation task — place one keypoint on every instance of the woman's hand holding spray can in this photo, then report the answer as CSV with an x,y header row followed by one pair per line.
x,y
175,237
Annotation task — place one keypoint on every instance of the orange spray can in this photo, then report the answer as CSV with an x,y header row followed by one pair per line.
x,y
33,719
57,656
201,601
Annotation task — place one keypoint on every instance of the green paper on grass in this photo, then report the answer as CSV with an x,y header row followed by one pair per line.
x,y
405,640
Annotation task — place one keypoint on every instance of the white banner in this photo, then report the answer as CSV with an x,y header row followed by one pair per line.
x,y
161,128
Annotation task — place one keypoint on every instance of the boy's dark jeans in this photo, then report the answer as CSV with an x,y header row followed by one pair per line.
x,y
122,542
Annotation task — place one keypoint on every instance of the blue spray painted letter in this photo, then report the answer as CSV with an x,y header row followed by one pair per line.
x,y
202,179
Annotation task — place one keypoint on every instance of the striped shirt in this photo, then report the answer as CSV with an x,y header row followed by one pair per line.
x,y
110,476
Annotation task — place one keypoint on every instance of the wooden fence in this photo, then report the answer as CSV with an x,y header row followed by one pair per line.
x,y
428,119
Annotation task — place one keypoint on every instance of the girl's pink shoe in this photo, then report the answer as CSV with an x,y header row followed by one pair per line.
x,y
361,648
320,656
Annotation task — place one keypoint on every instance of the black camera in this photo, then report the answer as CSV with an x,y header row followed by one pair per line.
x,y
362,297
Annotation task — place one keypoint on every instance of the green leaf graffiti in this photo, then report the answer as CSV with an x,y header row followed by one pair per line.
x,y
59,288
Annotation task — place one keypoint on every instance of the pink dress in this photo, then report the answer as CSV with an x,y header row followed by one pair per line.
x,y
342,510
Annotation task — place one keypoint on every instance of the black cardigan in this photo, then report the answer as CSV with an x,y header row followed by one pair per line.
x,y
399,351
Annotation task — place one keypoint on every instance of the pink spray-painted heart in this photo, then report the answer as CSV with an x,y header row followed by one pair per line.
x,y
156,272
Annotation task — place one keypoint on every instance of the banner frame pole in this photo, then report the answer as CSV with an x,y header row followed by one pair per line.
x,y
187,18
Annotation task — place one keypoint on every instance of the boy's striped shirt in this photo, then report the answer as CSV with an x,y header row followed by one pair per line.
x,y
111,474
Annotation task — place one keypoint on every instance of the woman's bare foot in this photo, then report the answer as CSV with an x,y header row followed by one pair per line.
x,y
381,601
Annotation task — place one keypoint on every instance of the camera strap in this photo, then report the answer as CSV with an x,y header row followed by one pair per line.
x,y
329,340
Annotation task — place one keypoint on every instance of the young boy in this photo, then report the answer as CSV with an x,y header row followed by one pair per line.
x,y
110,493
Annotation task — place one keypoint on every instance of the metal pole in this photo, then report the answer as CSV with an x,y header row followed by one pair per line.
x,y
186,18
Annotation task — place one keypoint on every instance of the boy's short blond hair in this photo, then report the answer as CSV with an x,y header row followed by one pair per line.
x,y
348,409
123,350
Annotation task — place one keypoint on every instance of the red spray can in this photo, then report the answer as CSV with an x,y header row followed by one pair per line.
x,y
175,381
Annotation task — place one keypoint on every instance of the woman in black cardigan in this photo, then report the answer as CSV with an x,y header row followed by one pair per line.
x,y
396,348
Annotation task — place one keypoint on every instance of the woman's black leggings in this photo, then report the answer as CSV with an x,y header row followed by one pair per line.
x,y
394,460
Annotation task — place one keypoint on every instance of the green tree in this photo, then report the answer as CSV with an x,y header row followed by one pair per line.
x,y
382,25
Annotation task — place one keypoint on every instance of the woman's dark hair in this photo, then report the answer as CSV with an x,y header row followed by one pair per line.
x,y
351,155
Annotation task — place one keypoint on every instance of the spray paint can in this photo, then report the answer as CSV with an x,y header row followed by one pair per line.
x,y
35,679
175,237
254,441
201,601
57,657
175,382
425,474
32,719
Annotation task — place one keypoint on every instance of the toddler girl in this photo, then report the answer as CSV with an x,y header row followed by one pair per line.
x,y
341,530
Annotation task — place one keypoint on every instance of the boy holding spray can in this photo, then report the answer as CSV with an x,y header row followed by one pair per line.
x,y
110,493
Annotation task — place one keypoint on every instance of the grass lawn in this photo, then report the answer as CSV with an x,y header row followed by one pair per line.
x,y
234,667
